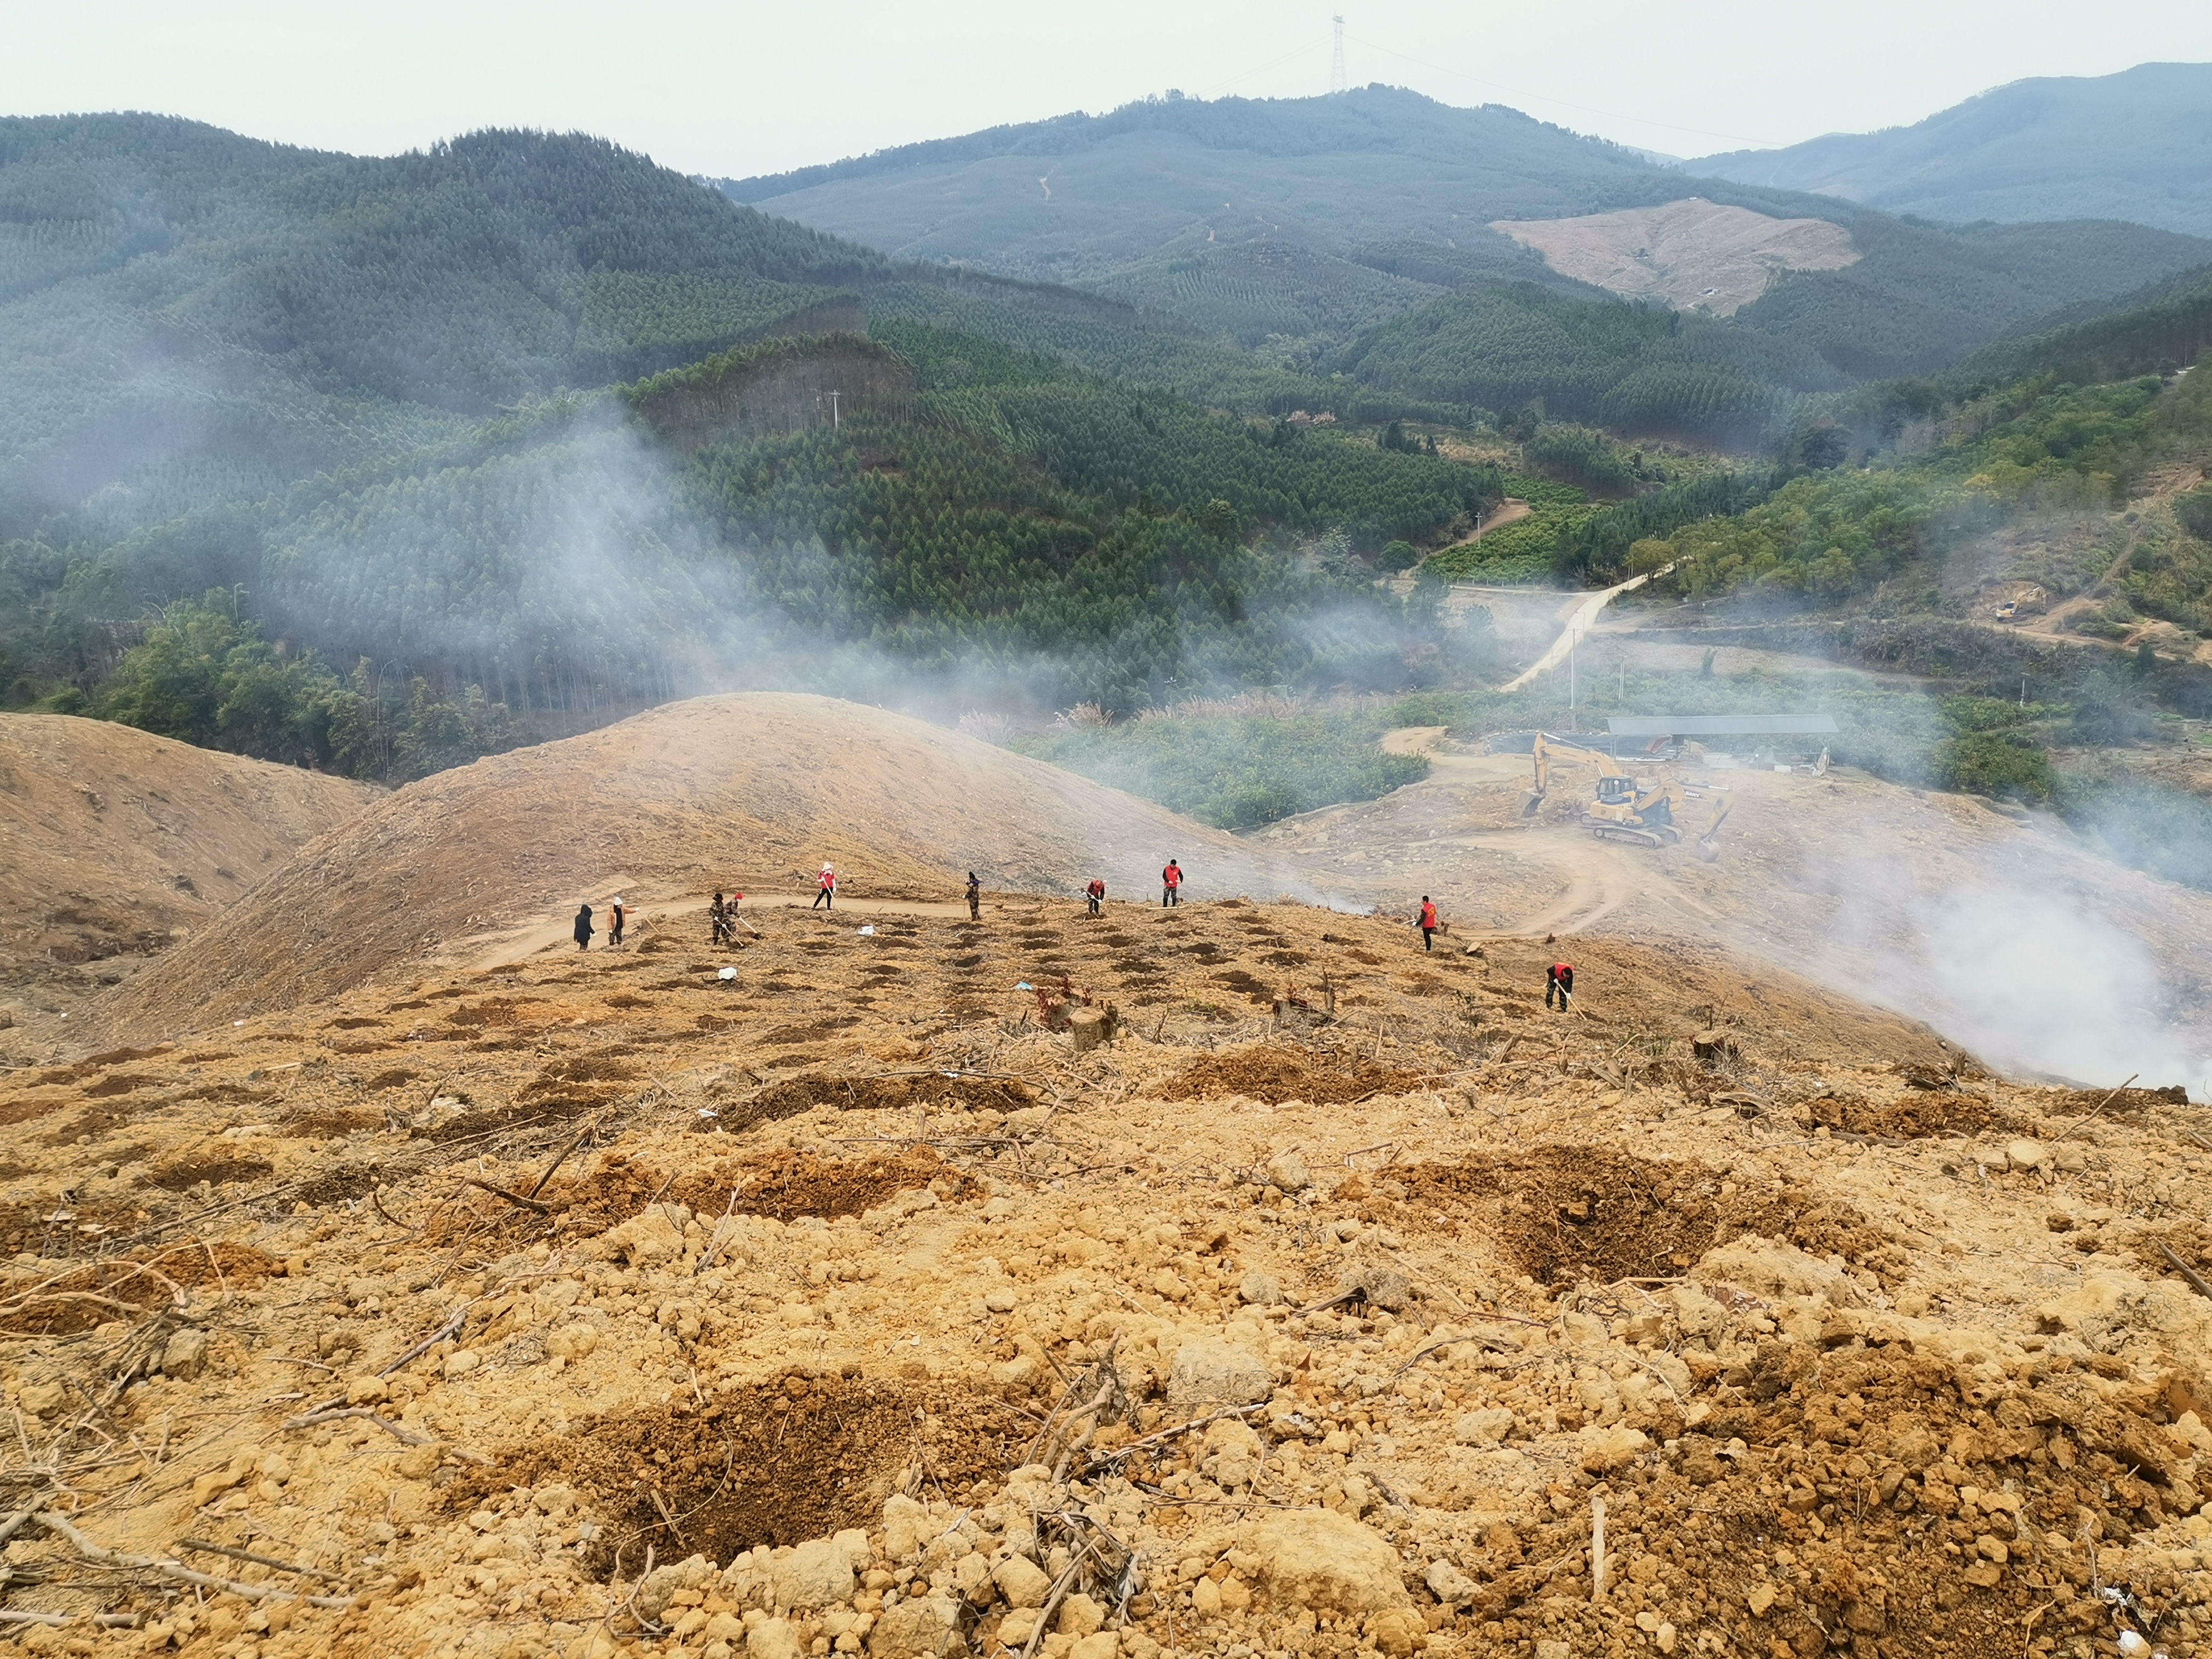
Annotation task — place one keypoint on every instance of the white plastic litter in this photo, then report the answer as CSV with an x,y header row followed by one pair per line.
x,y
869,931
2134,1643
727,973
1025,986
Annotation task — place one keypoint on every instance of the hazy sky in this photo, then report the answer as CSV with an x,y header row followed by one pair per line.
x,y
743,88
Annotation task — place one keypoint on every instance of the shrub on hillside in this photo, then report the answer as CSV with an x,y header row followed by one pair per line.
x,y
1996,763
2194,512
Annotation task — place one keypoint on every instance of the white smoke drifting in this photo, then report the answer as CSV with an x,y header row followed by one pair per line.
x,y
2029,979
2034,982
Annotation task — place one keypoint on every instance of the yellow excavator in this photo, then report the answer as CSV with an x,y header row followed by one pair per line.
x,y
1624,809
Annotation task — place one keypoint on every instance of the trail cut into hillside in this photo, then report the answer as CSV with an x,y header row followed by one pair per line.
x,y
115,843
750,792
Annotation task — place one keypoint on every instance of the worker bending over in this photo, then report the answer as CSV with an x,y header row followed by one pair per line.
x,y
1560,978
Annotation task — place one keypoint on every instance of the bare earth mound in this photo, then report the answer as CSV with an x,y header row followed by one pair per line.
x,y
1695,255
750,792
114,843
596,1306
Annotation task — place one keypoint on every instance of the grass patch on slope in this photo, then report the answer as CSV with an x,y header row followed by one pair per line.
x,y
1520,551
1240,771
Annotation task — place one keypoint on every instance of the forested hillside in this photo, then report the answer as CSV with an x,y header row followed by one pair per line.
x,y
1353,234
2155,331
976,519
188,316
305,456
1080,196
1915,303
2128,146
2027,451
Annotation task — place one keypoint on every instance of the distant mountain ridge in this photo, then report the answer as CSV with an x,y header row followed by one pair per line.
x,y
1367,168
2136,145
183,309
1357,233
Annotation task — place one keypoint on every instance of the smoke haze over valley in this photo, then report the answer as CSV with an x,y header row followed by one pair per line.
x,y
1009,833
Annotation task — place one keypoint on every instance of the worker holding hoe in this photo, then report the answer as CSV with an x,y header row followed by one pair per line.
x,y
825,889
1095,894
1560,978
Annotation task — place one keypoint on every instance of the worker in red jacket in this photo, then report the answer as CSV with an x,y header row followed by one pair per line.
x,y
1095,894
1171,885
1560,978
1428,924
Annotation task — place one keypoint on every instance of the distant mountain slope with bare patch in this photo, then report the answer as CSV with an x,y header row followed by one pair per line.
x,y
1693,255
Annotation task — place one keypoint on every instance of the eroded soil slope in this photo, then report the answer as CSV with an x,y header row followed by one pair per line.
x,y
114,843
746,792
598,1304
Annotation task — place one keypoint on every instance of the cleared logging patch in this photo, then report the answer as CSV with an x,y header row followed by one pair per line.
x,y
1278,1074
1569,1213
776,1463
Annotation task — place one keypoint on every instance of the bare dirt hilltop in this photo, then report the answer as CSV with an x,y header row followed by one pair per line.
x,y
1693,254
114,843
748,792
